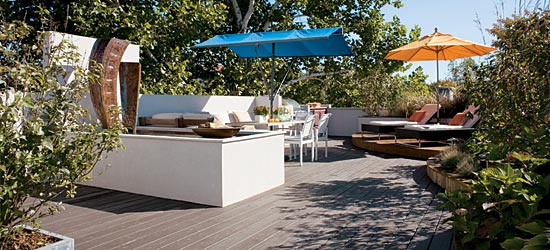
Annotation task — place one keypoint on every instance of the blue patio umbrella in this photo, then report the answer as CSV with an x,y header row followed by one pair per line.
x,y
291,43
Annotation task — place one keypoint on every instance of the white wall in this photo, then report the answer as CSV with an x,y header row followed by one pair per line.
x,y
215,172
343,121
153,104
252,167
84,46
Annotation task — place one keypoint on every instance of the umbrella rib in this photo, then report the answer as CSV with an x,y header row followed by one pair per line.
x,y
477,53
414,54
430,49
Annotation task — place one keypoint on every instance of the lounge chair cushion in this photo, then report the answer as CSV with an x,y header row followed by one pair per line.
x,y
242,116
458,120
417,116
399,123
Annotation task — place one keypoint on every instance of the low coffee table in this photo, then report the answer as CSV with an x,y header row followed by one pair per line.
x,y
433,134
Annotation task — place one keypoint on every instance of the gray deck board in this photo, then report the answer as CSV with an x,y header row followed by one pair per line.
x,y
350,200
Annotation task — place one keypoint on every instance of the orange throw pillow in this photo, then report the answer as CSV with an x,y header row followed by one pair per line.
x,y
417,116
459,119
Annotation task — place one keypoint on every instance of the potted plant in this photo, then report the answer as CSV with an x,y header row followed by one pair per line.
x,y
282,113
48,141
261,113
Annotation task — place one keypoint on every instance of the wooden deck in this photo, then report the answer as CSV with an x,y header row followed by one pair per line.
x,y
387,144
351,200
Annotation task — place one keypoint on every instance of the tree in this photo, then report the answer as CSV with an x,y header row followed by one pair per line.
x,y
336,80
165,30
47,142
462,71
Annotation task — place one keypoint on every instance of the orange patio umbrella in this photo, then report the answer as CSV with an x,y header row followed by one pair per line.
x,y
438,46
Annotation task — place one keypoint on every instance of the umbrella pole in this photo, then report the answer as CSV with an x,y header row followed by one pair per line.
x,y
272,95
437,81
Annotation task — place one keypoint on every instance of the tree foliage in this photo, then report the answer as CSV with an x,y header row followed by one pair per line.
x,y
166,29
513,88
462,71
507,206
47,142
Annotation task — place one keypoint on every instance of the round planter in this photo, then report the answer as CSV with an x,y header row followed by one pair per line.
x,y
260,118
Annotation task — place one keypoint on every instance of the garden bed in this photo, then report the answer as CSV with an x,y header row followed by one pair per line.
x,y
449,181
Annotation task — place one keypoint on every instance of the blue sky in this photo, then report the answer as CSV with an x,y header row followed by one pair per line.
x,y
454,17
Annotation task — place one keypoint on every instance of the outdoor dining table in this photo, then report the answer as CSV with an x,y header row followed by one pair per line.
x,y
270,125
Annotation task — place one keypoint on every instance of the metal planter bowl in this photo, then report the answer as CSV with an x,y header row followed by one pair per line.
x,y
216,132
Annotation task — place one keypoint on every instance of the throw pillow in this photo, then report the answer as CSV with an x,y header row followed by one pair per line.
x,y
221,117
242,116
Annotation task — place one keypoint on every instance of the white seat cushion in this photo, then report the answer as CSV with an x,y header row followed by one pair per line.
x,y
434,127
392,123
196,116
167,116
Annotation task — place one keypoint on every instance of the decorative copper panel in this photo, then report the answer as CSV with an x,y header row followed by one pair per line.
x,y
104,95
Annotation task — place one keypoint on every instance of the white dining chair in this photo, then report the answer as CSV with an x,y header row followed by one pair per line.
x,y
321,133
302,138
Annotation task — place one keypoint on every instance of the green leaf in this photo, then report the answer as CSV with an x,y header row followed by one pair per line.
x,y
538,240
28,104
513,243
543,211
521,157
484,245
47,144
531,227
535,248
3,168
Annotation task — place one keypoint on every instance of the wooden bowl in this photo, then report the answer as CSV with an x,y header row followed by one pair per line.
x,y
216,132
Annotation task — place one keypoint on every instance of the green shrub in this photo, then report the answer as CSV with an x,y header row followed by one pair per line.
x,y
450,107
467,165
457,160
451,157
513,88
506,206
411,101
47,141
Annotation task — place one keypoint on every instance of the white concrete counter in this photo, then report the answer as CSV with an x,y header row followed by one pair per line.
x,y
215,172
